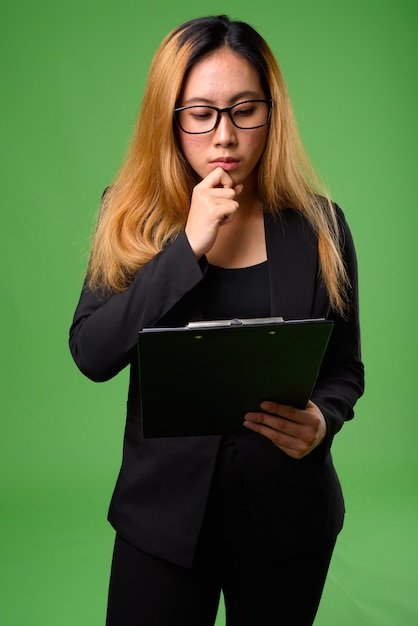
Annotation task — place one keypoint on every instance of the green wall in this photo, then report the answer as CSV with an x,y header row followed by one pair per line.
x,y
71,81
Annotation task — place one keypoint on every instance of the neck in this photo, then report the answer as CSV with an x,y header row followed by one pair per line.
x,y
250,202
241,242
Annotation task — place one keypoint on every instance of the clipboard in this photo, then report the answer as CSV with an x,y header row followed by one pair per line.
x,y
201,379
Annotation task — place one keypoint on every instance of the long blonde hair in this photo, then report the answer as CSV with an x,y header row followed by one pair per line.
x,y
148,202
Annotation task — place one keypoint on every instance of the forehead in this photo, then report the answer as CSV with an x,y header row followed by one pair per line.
x,y
222,74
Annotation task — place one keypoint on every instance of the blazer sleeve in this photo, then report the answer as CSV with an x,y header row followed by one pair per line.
x,y
341,378
104,330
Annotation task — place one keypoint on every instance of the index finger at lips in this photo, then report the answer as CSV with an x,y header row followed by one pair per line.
x,y
217,178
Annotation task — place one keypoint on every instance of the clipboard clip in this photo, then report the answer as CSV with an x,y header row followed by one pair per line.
x,y
256,321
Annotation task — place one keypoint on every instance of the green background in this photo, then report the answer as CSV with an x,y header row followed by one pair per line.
x,y
72,78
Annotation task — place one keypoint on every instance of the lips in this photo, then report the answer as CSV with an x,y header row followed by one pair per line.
x,y
226,163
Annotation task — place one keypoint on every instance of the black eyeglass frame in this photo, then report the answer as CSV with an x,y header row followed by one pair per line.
x,y
219,113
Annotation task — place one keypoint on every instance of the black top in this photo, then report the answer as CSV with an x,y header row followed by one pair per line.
x,y
239,292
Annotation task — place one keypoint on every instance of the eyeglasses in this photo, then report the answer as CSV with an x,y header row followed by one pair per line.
x,y
196,120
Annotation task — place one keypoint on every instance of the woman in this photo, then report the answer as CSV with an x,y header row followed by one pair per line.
x,y
215,213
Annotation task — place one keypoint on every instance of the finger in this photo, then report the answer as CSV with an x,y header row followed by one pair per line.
x,y
291,445
302,434
275,423
238,189
282,410
217,178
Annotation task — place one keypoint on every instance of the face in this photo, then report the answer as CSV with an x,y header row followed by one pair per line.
x,y
221,80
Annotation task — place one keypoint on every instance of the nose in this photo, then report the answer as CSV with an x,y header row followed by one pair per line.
x,y
225,131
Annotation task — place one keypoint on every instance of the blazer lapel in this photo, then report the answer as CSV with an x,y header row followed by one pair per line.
x,y
293,264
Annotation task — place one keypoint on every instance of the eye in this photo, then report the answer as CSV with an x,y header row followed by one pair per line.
x,y
200,114
244,111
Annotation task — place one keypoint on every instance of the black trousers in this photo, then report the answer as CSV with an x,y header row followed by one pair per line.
x,y
262,584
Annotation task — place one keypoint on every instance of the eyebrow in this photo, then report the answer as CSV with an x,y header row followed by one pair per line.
x,y
236,98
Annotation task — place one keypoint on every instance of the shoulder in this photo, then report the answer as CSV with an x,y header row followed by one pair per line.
x,y
290,225
344,232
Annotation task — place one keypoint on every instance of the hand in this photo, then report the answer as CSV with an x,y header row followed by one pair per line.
x,y
213,204
295,431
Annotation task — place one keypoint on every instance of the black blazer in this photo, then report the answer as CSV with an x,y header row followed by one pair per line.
x,y
162,489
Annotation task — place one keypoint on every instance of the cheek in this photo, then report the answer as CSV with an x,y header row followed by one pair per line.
x,y
191,145
256,142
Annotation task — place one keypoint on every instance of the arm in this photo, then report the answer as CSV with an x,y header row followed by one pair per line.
x,y
340,382
341,378
104,331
